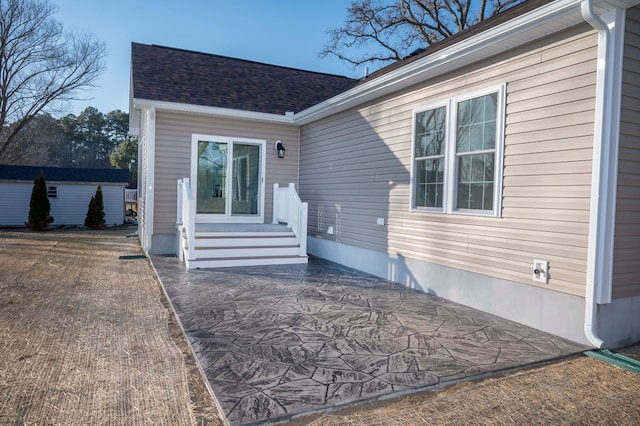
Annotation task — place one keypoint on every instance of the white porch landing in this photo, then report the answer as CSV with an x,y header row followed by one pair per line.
x,y
225,245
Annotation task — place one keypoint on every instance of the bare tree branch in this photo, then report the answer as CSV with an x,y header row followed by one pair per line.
x,y
377,32
40,64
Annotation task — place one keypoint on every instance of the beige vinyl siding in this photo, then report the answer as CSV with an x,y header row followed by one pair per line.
x,y
626,267
173,156
356,168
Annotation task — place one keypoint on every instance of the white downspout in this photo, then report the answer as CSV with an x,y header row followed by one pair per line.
x,y
151,169
604,166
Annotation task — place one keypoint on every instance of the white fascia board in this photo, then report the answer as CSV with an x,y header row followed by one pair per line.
x,y
214,111
134,121
604,6
524,29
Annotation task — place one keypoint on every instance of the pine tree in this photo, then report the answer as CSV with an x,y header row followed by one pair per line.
x,y
95,212
39,206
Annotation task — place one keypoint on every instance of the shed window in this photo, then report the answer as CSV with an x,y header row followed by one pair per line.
x,y
52,191
457,154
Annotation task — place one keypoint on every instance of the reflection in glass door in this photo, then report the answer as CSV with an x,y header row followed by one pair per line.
x,y
228,179
246,179
212,177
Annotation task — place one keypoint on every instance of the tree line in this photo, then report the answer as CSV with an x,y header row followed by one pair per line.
x,y
43,68
91,139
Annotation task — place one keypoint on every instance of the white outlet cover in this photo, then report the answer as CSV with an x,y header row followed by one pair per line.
x,y
542,266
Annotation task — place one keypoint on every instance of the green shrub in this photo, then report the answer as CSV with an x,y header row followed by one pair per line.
x,y
95,213
39,206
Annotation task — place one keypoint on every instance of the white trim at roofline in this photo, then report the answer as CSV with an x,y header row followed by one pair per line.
x,y
208,110
524,29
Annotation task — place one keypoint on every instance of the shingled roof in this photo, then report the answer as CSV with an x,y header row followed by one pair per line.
x,y
507,15
182,76
64,174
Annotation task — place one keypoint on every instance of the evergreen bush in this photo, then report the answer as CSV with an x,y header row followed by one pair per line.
x,y
39,206
95,212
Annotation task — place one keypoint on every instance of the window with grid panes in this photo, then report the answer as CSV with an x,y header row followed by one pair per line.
x,y
457,154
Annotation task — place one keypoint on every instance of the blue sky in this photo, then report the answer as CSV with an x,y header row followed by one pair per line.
x,y
281,32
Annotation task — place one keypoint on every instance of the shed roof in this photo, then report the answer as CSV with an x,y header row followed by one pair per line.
x,y
64,174
175,75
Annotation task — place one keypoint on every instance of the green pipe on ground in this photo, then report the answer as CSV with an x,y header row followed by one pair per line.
x,y
133,256
616,359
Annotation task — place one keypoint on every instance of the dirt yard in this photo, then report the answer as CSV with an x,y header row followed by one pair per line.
x,y
575,391
88,339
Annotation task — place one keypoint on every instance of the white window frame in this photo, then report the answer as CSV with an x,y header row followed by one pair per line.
x,y
450,167
414,161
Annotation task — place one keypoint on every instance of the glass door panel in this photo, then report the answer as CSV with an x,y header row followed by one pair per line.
x,y
229,179
212,177
245,188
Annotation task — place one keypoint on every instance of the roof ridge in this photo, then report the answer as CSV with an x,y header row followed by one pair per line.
x,y
170,74
179,49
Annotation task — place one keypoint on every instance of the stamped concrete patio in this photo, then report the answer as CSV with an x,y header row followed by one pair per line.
x,y
277,342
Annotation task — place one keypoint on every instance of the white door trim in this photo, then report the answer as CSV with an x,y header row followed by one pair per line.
x,y
227,217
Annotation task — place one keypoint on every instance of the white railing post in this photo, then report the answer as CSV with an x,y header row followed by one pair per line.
x,y
304,212
293,206
185,219
276,203
179,204
189,218
179,190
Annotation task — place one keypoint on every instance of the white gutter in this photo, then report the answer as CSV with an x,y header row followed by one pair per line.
x,y
605,164
208,110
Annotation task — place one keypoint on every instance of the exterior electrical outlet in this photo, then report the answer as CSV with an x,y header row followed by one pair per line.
x,y
541,271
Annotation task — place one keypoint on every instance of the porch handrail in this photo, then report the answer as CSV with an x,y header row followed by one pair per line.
x,y
288,208
130,195
186,218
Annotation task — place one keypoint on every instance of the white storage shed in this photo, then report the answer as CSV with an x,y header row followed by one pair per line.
x,y
69,189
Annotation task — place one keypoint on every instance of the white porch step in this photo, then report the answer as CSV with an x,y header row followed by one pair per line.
x,y
221,245
247,234
246,252
221,228
245,261
202,241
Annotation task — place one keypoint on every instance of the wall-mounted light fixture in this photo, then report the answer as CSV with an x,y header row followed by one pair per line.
x,y
280,149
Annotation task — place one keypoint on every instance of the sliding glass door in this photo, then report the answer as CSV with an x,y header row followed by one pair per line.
x,y
229,179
